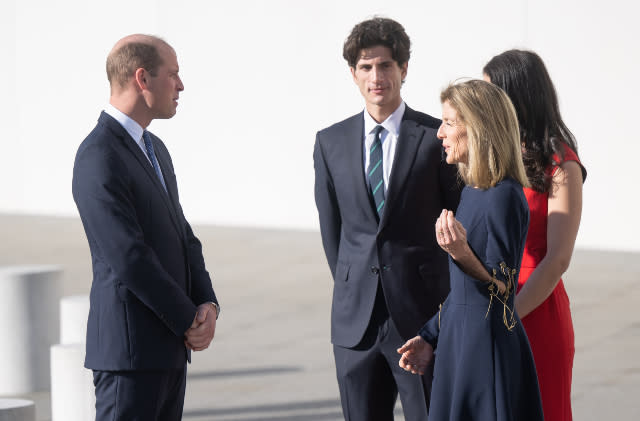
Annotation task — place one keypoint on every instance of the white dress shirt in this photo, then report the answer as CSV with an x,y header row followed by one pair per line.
x,y
389,138
132,127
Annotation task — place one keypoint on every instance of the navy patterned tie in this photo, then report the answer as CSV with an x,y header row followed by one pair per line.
x,y
374,172
152,157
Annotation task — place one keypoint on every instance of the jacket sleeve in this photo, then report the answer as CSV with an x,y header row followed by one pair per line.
x,y
202,290
327,204
431,330
104,200
507,221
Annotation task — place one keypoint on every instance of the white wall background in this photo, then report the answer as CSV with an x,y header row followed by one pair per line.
x,y
261,77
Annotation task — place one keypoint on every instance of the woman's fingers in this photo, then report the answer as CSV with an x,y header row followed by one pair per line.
x,y
450,226
440,224
501,286
446,231
404,348
458,233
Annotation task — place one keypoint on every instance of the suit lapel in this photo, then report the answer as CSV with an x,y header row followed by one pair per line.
x,y
133,147
353,140
409,140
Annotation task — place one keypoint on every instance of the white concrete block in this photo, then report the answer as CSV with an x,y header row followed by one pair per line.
x,y
72,391
29,323
74,312
17,410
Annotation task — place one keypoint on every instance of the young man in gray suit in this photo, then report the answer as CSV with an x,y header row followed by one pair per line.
x,y
380,185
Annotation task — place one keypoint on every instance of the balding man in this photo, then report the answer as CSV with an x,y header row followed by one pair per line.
x,y
151,298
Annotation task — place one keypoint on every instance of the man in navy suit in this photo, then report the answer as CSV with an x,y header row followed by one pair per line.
x,y
152,301
380,186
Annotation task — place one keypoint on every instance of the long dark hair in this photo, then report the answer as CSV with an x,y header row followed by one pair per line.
x,y
524,77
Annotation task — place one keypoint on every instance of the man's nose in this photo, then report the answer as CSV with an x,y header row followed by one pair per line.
x,y
180,86
376,74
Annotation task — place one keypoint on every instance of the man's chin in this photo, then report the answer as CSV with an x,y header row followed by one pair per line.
x,y
166,116
378,100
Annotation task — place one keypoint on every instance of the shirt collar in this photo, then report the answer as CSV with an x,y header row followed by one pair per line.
x,y
130,125
391,124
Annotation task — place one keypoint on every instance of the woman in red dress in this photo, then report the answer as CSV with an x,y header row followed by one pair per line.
x,y
555,205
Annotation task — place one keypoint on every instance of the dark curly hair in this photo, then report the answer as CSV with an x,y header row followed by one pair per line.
x,y
524,77
377,31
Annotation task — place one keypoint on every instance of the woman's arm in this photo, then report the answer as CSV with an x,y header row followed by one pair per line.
x,y
564,212
452,238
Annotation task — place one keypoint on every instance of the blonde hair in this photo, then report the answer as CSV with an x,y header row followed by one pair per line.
x,y
493,137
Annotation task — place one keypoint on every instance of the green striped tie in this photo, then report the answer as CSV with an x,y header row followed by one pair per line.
x,y
374,172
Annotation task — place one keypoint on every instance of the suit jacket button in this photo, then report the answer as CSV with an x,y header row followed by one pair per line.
x,y
375,270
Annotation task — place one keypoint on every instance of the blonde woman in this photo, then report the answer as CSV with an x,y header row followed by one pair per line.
x,y
484,368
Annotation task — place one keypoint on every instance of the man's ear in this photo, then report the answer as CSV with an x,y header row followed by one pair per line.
x,y
353,73
141,77
404,68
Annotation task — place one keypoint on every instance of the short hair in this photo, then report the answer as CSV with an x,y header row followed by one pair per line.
x,y
123,62
524,77
377,31
493,139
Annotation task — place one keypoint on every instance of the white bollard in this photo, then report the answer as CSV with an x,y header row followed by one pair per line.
x,y
29,324
72,392
17,410
74,312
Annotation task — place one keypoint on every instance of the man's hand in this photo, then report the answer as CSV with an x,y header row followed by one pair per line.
x,y
203,328
416,355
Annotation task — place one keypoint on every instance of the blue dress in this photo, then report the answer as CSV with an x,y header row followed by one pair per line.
x,y
484,369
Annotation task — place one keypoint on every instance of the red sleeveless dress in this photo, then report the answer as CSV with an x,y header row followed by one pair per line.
x,y
549,326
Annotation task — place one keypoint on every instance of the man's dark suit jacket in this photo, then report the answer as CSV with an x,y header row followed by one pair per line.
x,y
402,248
148,271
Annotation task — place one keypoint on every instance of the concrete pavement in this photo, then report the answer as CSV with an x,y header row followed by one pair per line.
x,y
271,358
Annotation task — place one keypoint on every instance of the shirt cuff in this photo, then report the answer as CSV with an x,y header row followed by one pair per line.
x,y
217,306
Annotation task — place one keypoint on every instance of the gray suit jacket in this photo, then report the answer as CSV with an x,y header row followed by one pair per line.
x,y
402,248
